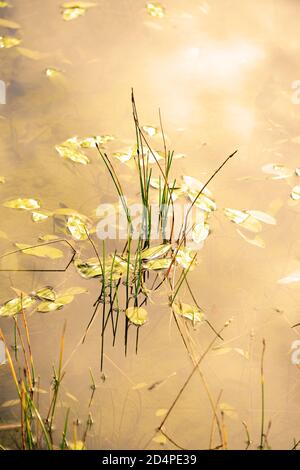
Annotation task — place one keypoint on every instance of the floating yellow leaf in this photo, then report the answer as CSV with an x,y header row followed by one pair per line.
x,y
77,228
14,306
25,204
59,303
228,410
4,5
297,171
90,142
262,216
155,251
160,439
161,412
185,257
150,130
244,219
40,216
188,311
2,179
9,24
138,316
70,150
70,14
88,269
157,264
203,202
155,9
42,251
6,42
292,277
191,184
235,215
52,72
200,232
46,293
295,194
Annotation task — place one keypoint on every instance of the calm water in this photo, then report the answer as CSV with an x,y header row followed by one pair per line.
x,y
221,72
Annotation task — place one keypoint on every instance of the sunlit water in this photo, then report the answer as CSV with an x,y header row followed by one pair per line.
x,y
221,73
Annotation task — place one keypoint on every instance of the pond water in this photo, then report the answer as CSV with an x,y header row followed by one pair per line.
x,y
222,74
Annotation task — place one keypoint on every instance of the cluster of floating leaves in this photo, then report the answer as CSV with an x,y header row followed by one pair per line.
x,y
71,149
47,298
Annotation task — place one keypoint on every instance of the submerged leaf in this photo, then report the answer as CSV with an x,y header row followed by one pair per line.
x,y
155,9
14,306
155,251
6,42
9,24
138,316
25,204
42,251
9,403
277,170
244,219
70,150
257,241
31,54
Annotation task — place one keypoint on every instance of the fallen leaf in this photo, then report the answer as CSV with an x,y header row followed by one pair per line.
x,y
9,24
155,9
6,42
25,204
155,251
42,251
188,311
138,316
77,228
14,306
228,410
70,150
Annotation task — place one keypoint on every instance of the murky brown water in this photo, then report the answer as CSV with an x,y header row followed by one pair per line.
x,y
222,74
